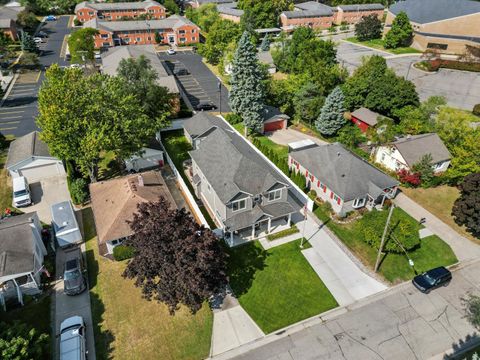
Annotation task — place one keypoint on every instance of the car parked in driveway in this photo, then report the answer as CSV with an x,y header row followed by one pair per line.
x,y
38,40
205,105
432,279
171,52
21,192
72,339
50,18
74,281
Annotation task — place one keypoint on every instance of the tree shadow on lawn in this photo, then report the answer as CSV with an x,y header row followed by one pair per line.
x,y
461,349
243,263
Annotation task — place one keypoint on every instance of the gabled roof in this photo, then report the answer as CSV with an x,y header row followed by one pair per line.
x,y
312,5
270,112
227,161
127,5
413,148
172,22
361,7
366,115
111,60
307,13
427,11
10,12
342,171
25,147
115,201
6,23
229,9
17,247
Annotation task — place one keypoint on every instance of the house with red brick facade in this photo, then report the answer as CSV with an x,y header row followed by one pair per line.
x,y
174,30
310,13
86,10
351,14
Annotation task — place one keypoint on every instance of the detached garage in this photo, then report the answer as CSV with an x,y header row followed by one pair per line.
x,y
29,156
273,119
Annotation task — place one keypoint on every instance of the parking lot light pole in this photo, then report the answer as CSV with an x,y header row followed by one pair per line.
x,y
219,84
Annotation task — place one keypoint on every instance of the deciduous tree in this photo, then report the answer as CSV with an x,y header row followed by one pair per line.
x,y
466,209
247,91
176,261
368,28
27,19
19,341
308,102
205,16
331,117
82,45
401,32
221,34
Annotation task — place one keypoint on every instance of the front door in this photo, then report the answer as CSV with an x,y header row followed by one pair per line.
x,y
171,39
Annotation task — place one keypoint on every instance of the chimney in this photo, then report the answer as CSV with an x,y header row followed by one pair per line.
x,y
140,180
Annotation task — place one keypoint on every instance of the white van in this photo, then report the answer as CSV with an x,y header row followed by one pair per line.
x,y
21,192
72,339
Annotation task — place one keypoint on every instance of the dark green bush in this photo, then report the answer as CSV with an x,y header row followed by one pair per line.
x,y
123,252
476,110
233,118
79,190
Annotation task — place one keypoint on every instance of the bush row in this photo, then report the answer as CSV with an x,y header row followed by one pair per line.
x,y
283,233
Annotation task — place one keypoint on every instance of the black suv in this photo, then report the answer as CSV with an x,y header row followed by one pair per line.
x,y
205,105
432,279
74,281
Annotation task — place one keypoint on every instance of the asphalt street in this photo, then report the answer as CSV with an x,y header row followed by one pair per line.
x,y
18,112
200,84
401,323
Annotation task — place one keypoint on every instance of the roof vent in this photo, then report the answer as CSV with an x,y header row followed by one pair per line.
x,y
65,223
338,153
60,208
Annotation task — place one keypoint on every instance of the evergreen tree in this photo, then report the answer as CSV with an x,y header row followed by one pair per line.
x,y
265,45
331,117
27,43
401,32
246,94
368,28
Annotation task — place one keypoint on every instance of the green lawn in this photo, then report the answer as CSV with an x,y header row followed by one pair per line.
x,y
378,44
177,147
280,150
5,184
394,267
126,325
277,287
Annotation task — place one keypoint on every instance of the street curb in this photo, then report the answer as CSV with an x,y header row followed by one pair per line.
x,y
9,90
403,55
366,47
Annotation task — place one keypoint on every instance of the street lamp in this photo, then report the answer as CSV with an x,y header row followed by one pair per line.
x,y
219,84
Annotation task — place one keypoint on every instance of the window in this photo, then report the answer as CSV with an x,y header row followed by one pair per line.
x,y
151,11
80,13
358,203
91,13
181,31
274,195
182,40
337,199
193,38
193,31
139,39
127,40
437,46
239,205
104,36
106,44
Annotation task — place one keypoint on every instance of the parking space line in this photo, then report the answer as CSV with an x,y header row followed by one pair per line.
x,y
10,128
11,117
13,107
9,122
11,112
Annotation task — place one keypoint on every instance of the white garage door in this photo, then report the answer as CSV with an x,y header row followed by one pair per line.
x,y
40,172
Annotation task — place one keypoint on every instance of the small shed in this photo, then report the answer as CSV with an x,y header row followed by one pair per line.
x,y
365,118
151,157
65,225
273,119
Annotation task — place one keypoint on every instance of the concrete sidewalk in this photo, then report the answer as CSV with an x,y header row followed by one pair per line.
x,y
345,280
463,248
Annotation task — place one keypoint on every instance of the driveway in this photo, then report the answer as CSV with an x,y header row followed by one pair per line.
x,y
401,324
461,89
45,193
201,84
286,136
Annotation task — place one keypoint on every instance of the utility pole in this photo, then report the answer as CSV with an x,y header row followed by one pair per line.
x,y
382,242
220,96
304,223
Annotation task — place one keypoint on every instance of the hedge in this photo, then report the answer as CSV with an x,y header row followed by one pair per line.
x,y
283,233
123,252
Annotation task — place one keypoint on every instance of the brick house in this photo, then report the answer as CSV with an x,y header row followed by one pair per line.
x,y
446,26
86,11
174,30
351,14
310,13
340,177
364,118
229,11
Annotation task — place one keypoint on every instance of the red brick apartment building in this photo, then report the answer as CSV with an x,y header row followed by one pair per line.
x,y
86,11
174,30
320,16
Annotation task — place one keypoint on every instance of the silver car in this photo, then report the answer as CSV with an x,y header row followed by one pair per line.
x,y
74,281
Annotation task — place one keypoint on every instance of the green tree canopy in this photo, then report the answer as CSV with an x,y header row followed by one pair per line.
x,y
27,19
27,43
82,45
204,16
21,342
466,209
221,34
247,91
401,32
171,6
331,117
308,102
368,28
260,14
82,117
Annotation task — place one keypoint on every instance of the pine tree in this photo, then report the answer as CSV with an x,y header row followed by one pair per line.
x,y
331,117
265,45
246,94
401,32
27,43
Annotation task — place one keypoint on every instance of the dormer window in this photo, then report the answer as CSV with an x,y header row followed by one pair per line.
x,y
274,195
239,205
358,203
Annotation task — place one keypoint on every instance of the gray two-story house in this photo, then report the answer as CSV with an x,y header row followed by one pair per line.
x,y
246,196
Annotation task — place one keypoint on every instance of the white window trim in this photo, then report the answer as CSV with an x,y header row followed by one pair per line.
x,y
359,202
275,192
239,202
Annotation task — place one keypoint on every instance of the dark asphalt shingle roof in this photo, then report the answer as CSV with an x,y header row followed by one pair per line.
x,y
366,115
10,12
307,13
270,112
426,11
25,147
313,5
16,245
413,148
127,5
361,7
229,9
345,173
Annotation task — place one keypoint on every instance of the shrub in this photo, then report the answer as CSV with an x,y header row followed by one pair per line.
x,y
79,191
476,110
408,178
77,22
283,233
123,252
312,194
233,118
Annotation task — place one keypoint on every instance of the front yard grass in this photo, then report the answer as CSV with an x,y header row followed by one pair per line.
x,y
378,44
5,186
439,201
431,253
127,326
277,287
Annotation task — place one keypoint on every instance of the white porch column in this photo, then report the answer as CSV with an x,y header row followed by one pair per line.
x,y
34,281
231,238
383,200
253,231
19,292
289,219
269,224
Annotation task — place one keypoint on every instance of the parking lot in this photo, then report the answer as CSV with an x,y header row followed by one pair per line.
x,y
200,84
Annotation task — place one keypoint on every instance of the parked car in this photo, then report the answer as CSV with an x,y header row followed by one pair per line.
x,y
76,66
72,339
21,192
205,105
74,281
50,18
171,52
182,72
97,55
432,279
38,40
42,34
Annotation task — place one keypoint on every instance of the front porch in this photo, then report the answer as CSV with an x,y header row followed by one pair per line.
x,y
258,230
15,288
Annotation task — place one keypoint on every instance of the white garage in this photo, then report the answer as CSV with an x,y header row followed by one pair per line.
x,y
29,156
